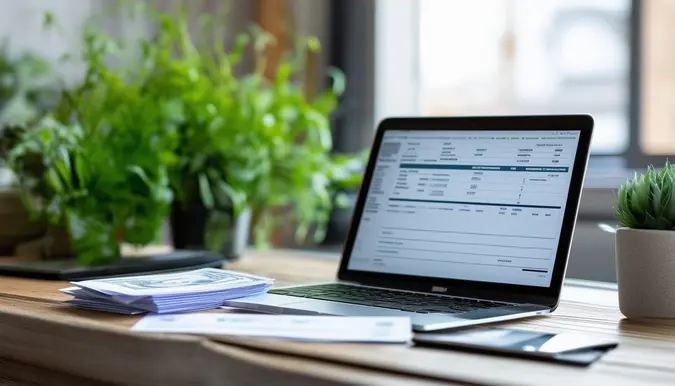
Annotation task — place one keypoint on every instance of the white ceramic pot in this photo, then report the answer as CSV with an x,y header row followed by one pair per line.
x,y
645,265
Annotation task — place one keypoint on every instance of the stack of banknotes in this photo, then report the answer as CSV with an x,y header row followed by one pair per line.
x,y
196,290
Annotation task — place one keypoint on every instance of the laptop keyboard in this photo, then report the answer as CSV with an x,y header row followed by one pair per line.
x,y
376,297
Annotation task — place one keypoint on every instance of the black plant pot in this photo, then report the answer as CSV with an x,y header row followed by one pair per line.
x,y
189,230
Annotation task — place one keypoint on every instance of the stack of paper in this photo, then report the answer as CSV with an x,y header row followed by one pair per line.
x,y
196,290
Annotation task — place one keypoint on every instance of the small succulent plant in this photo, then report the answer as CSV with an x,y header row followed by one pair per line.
x,y
648,200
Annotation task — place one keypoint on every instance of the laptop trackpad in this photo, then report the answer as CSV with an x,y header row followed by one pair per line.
x,y
334,308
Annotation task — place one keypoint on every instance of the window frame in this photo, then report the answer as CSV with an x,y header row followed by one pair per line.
x,y
351,48
635,157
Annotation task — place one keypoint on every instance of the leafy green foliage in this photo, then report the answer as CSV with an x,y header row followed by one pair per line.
x,y
648,200
168,116
99,165
247,140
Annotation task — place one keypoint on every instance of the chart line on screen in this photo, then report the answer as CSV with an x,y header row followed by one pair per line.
x,y
467,233
384,240
475,203
463,263
459,252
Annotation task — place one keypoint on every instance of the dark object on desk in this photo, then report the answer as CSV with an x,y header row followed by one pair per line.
x,y
68,269
16,225
189,230
568,348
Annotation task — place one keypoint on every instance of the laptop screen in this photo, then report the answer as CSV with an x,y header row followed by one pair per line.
x,y
468,205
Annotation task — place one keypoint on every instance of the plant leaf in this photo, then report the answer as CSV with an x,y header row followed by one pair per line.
x,y
205,192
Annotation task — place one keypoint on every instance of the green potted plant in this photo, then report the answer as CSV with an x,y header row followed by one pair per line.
x,y
265,147
28,90
97,167
247,143
229,145
645,243
208,211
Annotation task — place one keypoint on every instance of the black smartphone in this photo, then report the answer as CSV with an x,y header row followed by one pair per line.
x,y
569,348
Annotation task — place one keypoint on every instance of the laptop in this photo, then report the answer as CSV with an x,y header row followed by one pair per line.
x,y
459,221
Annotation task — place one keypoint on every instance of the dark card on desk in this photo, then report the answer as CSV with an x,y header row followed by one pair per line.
x,y
567,348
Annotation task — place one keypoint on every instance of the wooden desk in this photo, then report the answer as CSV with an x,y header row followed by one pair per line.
x,y
45,342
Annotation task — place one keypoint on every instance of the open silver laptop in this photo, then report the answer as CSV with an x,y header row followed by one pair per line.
x,y
459,221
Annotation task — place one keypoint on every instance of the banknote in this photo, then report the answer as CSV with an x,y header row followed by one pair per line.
x,y
201,280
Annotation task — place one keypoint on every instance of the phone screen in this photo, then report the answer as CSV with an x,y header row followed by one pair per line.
x,y
511,340
565,346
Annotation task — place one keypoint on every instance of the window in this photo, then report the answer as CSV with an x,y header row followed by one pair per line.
x,y
608,58
528,57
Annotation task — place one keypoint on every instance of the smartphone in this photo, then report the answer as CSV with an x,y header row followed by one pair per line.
x,y
570,348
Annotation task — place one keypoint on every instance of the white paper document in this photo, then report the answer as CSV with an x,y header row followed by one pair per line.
x,y
307,328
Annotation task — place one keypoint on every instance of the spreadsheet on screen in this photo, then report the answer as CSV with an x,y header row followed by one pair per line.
x,y
468,205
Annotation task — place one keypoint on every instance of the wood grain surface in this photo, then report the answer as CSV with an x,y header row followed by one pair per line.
x,y
36,329
14,373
